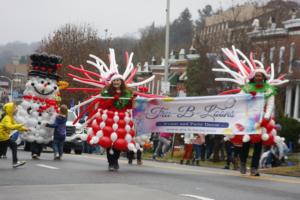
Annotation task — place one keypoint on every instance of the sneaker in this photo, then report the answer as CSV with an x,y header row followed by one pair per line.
x,y
18,164
130,162
254,172
111,168
243,168
139,162
57,158
116,166
226,167
35,157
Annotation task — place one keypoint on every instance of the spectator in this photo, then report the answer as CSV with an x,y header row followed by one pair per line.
x,y
163,144
59,132
198,141
188,148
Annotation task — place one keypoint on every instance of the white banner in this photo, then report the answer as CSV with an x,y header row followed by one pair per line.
x,y
222,114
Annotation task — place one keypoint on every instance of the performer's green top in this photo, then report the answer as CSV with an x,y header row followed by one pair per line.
x,y
265,88
119,103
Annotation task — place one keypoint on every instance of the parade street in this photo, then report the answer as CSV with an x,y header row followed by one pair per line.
x,y
79,177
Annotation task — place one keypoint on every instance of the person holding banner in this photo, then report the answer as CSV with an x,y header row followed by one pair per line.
x,y
253,78
256,85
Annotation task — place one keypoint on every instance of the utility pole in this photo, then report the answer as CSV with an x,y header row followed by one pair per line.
x,y
166,84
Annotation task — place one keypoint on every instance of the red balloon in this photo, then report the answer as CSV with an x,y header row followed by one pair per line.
x,y
95,127
120,144
237,140
255,138
121,115
107,130
109,121
99,119
132,133
131,124
121,132
89,137
121,123
105,142
270,141
110,114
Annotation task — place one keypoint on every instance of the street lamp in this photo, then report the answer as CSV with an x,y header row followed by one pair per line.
x,y
11,86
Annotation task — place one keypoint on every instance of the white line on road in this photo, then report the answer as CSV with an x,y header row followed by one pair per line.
x,y
47,166
196,197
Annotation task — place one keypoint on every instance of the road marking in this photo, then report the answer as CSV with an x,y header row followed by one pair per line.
x,y
196,196
46,166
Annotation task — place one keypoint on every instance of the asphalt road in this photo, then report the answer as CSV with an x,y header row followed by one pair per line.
x,y
84,177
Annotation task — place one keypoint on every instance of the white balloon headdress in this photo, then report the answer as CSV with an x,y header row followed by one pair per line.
x,y
242,69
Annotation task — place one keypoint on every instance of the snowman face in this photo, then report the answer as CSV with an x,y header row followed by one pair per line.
x,y
43,86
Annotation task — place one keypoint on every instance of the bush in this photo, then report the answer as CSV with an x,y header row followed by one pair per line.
x,y
290,130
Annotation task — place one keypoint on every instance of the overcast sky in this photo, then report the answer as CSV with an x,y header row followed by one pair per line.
x,y
31,20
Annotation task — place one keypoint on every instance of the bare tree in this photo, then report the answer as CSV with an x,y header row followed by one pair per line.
x,y
74,43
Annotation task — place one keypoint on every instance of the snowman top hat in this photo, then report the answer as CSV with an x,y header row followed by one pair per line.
x,y
45,66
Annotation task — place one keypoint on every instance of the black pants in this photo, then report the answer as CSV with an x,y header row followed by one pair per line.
x,y
232,152
36,148
256,154
12,145
113,158
130,155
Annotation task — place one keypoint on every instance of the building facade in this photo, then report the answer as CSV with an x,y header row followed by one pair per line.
x,y
281,46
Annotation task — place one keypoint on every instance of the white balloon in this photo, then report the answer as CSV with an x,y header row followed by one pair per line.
x,y
116,113
105,111
104,116
35,114
98,114
116,118
265,137
102,125
90,131
99,133
131,147
246,138
40,140
94,123
83,137
127,128
127,120
94,140
128,138
114,136
115,126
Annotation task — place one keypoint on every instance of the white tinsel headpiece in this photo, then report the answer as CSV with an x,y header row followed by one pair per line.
x,y
106,73
242,69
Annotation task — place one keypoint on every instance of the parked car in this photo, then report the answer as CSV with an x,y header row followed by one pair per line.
x,y
76,135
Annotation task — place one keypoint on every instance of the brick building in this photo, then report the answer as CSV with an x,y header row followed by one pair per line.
x,y
281,46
